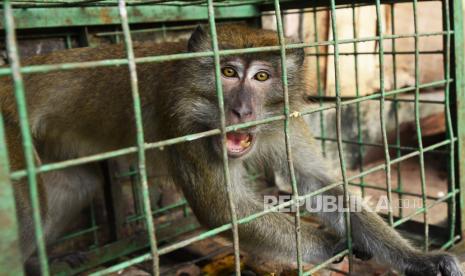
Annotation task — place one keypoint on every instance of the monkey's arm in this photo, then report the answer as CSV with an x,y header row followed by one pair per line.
x,y
272,234
369,232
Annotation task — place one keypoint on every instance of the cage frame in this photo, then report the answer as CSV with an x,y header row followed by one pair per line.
x,y
454,104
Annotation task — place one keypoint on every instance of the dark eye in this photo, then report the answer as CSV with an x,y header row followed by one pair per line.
x,y
229,72
262,76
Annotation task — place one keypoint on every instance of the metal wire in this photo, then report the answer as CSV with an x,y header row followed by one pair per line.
x,y
418,126
287,138
140,138
449,125
339,134
116,62
219,93
28,148
382,114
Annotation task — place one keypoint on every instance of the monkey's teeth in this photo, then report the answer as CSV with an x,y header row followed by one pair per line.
x,y
245,144
238,142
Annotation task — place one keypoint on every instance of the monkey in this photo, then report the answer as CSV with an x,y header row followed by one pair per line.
x,y
86,111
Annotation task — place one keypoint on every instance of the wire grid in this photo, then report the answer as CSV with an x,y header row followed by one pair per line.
x,y
32,169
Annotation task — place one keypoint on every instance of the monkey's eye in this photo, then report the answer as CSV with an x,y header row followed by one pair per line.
x,y
262,76
229,72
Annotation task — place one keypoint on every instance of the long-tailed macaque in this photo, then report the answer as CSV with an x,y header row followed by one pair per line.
x,y
87,111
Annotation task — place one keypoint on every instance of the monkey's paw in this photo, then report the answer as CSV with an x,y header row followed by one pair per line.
x,y
434,264
358,252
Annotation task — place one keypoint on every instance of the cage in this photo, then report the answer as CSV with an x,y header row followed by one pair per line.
x,y
361,70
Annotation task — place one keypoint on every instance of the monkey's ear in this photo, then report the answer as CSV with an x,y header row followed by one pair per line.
x,y
199,40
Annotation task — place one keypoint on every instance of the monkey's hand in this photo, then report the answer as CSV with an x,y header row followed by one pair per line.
x,y
356,250
433,264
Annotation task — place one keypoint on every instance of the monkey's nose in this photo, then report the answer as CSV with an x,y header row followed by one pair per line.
x,y
242,112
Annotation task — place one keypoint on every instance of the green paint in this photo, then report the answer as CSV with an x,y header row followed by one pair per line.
x,y
88,16
458,90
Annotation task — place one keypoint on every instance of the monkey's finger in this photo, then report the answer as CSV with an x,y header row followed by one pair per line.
x,y
448,266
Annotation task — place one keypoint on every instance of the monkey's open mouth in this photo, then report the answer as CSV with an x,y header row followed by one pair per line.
x,y
238,143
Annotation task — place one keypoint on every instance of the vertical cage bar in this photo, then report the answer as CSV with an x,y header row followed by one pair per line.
x,y
418,126
94,226
318,79
10,263
219,93
450,130
458,91
295,194
357,105
68,41
13,55
339,134
396,113
137,193
140,136
382,115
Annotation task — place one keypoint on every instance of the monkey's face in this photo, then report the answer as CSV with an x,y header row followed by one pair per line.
x,y
252,90
252,86
246,83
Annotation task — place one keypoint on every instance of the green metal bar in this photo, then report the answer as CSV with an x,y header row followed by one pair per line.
x,y
450,243
449,124
165,209
287,138
397,191
191,137
130,3
339,134
418,125
459,93
28,148
94,226
92,229
219,93
87,16
370,144
394,99
326,263
149,30
10,263
437,52
404,157
396,110
112,3
69,43
116,62
318,78
382,115
121,266
424,209
136,187
357,105
140,137
322,6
